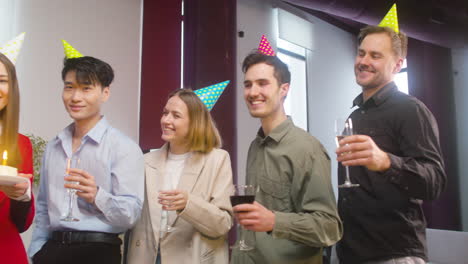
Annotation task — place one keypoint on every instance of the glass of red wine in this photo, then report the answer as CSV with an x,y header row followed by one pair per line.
x,y
344,128
244,194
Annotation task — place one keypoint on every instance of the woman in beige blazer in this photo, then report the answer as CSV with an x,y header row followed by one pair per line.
x,y
198,210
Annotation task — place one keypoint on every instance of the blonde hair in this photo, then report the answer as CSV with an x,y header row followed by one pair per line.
x,y
9,116
399,40
203,135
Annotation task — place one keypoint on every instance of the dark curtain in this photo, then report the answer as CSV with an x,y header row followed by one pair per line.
x,y
160,65
430,80
210,58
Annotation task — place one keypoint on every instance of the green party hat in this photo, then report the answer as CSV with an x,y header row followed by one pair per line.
x,y
13,47
209,95
70,52
391,19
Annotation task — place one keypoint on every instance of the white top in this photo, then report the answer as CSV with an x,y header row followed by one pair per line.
x,y
173,171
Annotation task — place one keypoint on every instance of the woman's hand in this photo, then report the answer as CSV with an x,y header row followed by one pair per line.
x,y
17,190
172,200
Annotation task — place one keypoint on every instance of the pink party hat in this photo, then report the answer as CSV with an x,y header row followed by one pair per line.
x,y
265,47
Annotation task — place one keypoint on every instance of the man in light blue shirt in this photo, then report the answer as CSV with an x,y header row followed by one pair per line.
x,y
110,177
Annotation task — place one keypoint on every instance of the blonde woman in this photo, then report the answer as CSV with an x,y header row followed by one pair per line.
x,y
188,184
16,201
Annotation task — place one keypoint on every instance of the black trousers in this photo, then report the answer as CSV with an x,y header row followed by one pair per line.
x,y
54,252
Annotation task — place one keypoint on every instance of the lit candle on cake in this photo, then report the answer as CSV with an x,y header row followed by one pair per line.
x,y
7,170
5,158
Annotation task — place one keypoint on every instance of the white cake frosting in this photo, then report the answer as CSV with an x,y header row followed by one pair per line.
x,y
8,171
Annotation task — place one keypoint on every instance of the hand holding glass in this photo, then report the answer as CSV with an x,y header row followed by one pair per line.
x,y
71,163
166,202
343,129
244,194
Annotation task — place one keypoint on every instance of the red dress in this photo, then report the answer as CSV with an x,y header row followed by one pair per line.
x,y
16,217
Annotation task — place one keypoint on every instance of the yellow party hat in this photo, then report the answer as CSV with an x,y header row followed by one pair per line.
x,y
13,47
70,52
391,19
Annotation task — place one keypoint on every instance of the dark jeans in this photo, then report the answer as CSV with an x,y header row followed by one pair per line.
x,y
54,252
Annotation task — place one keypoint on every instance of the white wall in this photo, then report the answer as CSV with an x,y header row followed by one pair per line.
x,y
460,81
255,18
6,16
107,29
331,85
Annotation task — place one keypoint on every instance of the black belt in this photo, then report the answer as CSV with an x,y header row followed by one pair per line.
x,y
75,237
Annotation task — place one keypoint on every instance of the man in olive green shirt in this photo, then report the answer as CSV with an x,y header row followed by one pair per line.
x,y
294,214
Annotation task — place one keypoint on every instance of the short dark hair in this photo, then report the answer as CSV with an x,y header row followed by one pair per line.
x,y
399,40
89,70
281,70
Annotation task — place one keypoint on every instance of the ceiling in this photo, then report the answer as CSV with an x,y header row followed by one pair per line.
x,y
442,22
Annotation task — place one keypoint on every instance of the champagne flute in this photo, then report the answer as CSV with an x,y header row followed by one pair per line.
x,y
244,194
168,228
343,129
71,163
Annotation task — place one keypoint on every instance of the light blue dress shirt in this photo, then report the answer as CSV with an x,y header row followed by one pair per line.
x,y
115,161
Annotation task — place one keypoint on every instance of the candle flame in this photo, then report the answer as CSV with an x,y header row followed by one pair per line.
x,y
5,157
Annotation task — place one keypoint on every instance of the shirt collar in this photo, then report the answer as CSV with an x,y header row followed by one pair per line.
x,y
96,133
378,98
278,132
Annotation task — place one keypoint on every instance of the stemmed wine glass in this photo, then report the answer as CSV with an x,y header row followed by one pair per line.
x,y
343,129
71,163
244,194
168,227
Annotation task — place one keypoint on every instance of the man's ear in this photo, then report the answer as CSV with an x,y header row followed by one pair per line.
x,y
398,65
284,89
105,93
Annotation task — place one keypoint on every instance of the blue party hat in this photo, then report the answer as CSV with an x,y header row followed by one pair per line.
x,y
209,95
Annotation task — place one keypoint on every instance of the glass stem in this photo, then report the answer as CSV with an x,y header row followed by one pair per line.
x,y
347,175
242,235
70,203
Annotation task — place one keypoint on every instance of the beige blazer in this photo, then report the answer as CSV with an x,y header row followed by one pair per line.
x,y
200,234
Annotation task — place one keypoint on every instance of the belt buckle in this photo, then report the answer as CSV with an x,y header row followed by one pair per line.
x,y
66,237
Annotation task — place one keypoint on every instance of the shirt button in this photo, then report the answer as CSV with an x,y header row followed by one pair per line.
x,y
138,243
363,111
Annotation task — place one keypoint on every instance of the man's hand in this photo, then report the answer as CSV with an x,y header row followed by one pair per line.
x,y
86,187
173,200
255,217
361,150
17,190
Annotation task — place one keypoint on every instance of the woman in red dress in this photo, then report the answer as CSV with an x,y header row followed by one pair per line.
x,y
16,202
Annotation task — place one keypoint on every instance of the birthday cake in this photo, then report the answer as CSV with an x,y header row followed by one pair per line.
x,y
8,171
